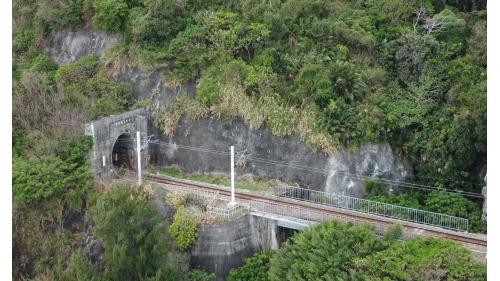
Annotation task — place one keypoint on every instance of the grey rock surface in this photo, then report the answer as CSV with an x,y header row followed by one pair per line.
x,y
372,160
332,174
94,249
68,46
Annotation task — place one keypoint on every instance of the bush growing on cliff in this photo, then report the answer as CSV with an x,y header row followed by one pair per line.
x,y
83,87
110,14
184,229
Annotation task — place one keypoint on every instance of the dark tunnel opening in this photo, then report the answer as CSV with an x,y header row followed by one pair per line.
x,y
123,153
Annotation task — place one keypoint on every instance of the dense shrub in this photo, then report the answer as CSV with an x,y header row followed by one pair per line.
x,y
65,175
78,72
198,275
184,229
255,268
458,206
43,63
110,14
421,259
328,250
55,15
83,87
336,251
157,24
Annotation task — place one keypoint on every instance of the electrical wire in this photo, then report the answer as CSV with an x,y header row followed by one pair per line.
x,y
320,170
362,177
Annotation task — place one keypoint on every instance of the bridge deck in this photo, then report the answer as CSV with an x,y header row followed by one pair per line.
x,y
298,213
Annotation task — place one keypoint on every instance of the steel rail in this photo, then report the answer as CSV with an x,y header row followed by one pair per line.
x,y
349,214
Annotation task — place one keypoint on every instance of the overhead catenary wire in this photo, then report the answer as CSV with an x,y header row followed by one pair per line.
x,y
362,177
323,171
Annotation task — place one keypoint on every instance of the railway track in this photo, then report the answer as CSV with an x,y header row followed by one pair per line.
x,y
476,242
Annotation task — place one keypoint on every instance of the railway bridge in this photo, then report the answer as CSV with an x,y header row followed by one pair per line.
x,y
115,149
299,213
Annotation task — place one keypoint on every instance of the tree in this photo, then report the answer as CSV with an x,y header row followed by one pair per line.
x,y
133,234
162,20
421,259
325,251
412,55
255,268
65,175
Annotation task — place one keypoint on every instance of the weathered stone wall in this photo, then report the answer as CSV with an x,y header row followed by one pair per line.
x,y
221,247
335,174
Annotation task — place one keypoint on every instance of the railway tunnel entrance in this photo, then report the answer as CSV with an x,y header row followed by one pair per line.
x,y
114,142
123,155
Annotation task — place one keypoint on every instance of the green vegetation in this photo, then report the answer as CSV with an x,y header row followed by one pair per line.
x,y
333,73
82,86
338,251
184,229
65,175
133,236
110,14
50,191
254,269
327,250
421,259
435,201
257,185
330,72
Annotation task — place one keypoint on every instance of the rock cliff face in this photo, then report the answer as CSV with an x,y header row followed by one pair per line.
x,y
145,83
222,247
372,160
339,173
68,46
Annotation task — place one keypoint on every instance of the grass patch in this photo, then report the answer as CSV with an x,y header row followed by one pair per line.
x,y
171,171
252,185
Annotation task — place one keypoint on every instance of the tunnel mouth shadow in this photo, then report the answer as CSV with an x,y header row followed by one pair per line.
x,y
123,154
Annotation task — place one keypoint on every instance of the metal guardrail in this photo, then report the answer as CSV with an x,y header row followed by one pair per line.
x,y
300,213
373,207
215,204
228,212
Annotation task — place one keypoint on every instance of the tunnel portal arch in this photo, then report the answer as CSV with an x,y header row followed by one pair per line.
x,y
123,153
115,142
